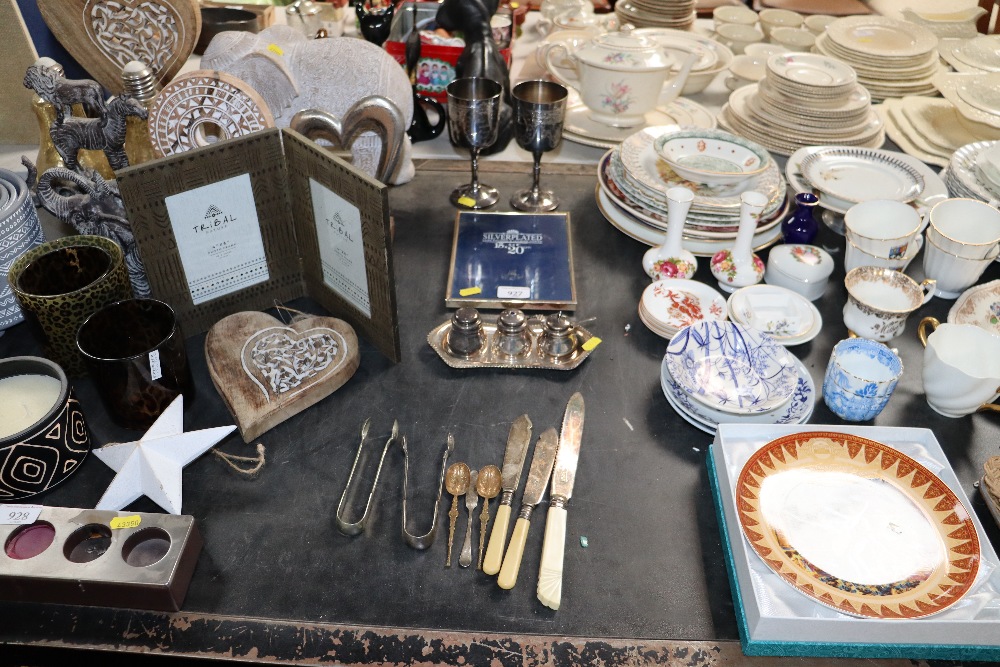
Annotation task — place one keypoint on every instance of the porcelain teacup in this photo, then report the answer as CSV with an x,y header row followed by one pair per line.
x,y
961,367
772,19
883,227
953,274
879,301
855,256
965,227
860,378
737,36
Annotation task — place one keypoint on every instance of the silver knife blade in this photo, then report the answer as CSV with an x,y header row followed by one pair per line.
x,y
517,451
541,468
564,473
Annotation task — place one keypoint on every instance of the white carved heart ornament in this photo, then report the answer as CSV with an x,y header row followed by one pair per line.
x,y
267,372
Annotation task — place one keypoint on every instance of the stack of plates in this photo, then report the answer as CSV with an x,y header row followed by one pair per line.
x,y
893,58
763,384
870,160
976,55
787,316
671,304
657,13
930,128
633,180
966,175
804,99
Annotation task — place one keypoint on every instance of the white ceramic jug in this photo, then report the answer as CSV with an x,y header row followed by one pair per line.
x,y
961,367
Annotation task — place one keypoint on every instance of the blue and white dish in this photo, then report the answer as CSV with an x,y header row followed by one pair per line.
x,y
797,411
731,368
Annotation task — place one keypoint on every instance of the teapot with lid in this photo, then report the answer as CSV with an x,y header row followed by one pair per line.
x,y
619,75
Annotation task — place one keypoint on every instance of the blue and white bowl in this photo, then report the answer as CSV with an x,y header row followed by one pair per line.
x,y
731,368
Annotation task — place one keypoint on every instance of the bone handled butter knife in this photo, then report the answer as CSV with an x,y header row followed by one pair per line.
x,y
551,569
513,462
538,479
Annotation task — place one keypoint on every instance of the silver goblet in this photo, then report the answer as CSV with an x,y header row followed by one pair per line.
x,y
474,122
539,111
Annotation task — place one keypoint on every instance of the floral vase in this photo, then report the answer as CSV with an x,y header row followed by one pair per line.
x,y
738,266
671,260
801,226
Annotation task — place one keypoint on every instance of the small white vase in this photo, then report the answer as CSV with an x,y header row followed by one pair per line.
x,y
671,260
738,266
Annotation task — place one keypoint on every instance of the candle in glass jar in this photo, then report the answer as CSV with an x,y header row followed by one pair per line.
x,y
24,400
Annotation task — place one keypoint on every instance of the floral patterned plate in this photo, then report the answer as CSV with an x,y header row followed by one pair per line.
x,y
796,411
857,525
672,303
729,367
979,305
654,175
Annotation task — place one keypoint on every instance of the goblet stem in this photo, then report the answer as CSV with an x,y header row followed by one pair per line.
x,y
536,173
475,169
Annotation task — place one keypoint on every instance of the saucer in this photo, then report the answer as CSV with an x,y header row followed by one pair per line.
x,y
797,411
579,127
789,317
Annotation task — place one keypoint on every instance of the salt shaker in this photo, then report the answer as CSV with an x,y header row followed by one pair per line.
x,y
558,339
512,338
465,338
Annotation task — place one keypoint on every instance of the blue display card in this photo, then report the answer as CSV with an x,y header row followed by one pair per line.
x,y
512,260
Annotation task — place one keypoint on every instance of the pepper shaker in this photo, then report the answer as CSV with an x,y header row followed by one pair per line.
x,y
465,338
558,339
512,338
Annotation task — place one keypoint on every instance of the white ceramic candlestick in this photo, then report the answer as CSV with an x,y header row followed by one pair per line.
x,y
25,400
739,266
671,260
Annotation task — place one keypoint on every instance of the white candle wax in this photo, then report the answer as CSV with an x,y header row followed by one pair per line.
x,y
25,399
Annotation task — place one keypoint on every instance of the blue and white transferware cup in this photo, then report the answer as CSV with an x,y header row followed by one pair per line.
x,y
860,378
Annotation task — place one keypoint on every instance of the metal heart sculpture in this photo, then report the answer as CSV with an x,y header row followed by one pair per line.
x,y
369,114
104,35
267,371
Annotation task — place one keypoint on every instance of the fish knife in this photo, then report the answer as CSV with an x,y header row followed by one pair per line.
x,y
538,479
513,462
550,572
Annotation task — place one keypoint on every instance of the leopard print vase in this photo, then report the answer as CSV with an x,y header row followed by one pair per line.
x,y
60,283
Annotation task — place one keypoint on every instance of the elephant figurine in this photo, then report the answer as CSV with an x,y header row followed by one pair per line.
x,y
91,205
293,73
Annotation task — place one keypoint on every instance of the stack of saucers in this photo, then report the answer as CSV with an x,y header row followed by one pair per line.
x,y
974,171
721,372
804,99
633,178
657,13
893,58
671,304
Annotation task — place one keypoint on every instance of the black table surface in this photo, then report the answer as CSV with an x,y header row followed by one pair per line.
x,y
277,581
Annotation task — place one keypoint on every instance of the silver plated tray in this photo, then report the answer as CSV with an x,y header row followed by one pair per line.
x,y
488,357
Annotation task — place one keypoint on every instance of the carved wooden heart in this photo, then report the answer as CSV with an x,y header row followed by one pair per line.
x,y
267,372
104,35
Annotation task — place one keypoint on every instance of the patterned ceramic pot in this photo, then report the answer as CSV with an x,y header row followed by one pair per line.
x,y
19,232
60,283
46,452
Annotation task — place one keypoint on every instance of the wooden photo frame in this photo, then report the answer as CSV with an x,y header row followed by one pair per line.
x,y
272,216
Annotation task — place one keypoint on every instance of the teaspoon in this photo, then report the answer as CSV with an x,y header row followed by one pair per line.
x,y
487,486
471,500
456,482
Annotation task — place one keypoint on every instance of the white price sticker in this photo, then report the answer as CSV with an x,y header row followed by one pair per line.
x,y
155,372
16,515
513,292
